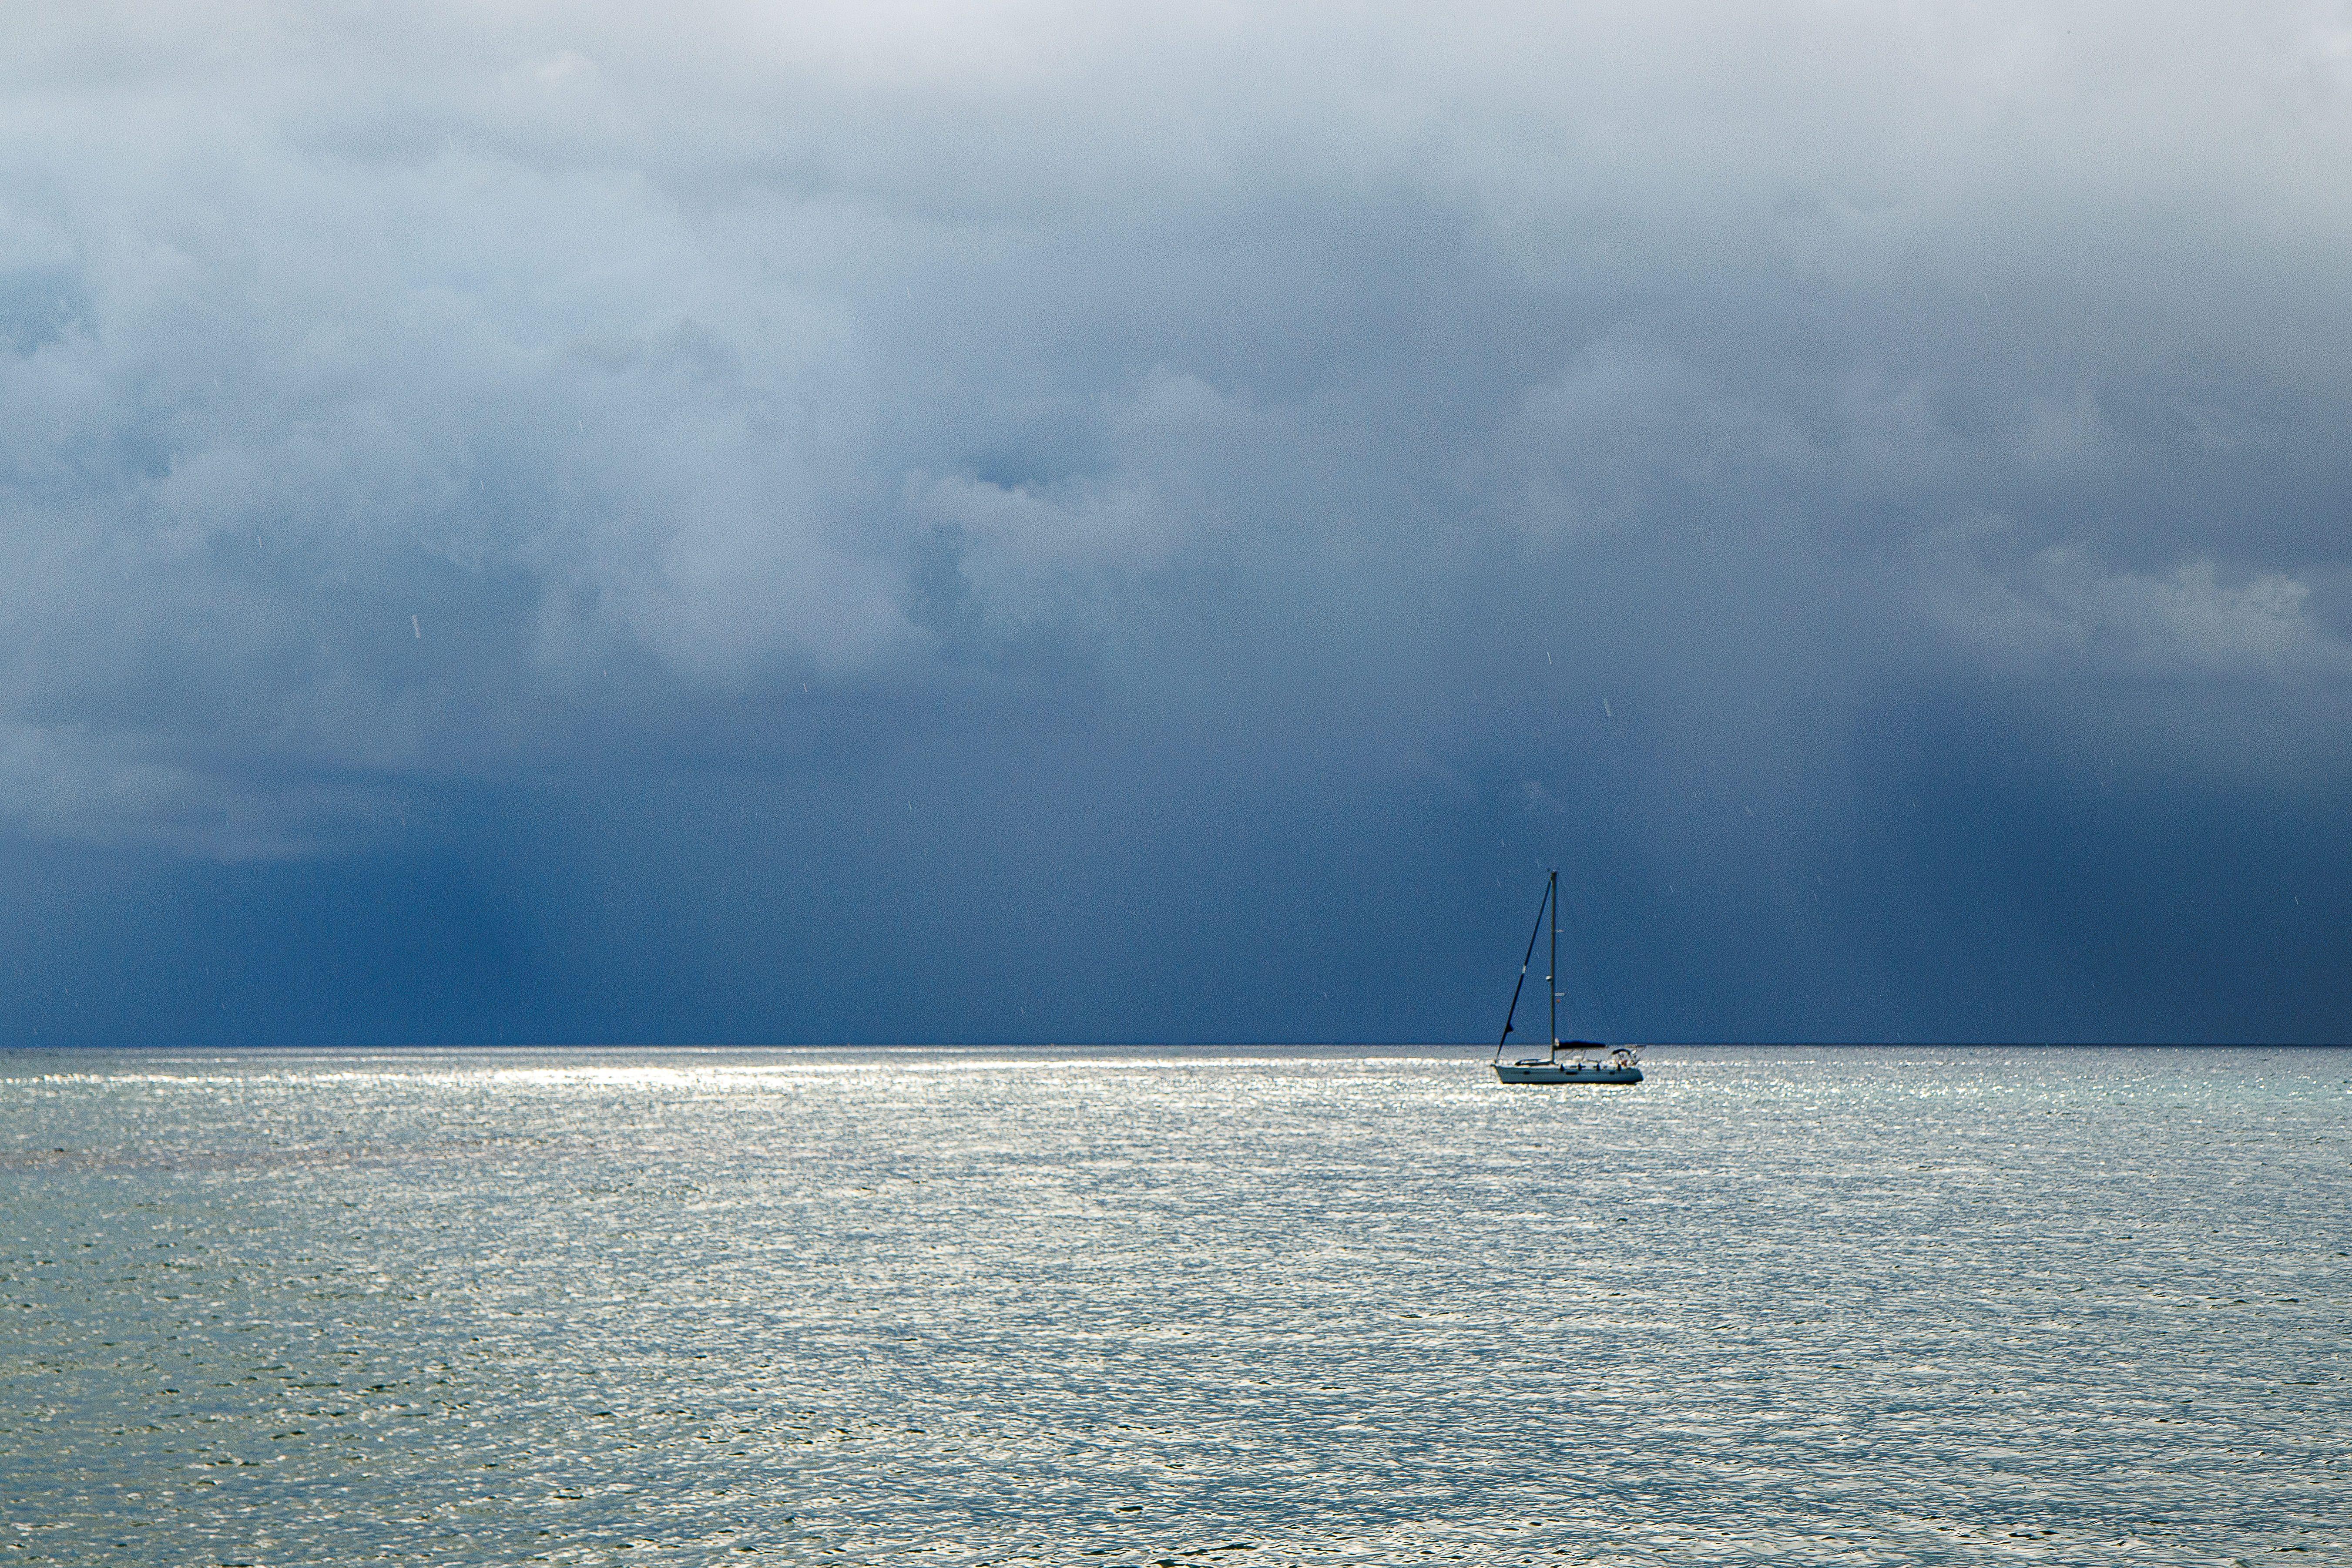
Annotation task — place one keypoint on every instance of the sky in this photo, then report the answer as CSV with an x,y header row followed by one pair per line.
x,y
934,521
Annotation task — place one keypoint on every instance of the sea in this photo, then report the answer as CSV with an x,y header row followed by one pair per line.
x,y
1174,1307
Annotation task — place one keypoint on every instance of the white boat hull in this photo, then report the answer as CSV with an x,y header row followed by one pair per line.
x,y
1539,1071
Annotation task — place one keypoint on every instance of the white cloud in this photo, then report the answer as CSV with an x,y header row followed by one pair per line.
x,y
592,334
2061,610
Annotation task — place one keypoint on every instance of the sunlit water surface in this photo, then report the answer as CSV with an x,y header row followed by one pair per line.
x,y
1800,1306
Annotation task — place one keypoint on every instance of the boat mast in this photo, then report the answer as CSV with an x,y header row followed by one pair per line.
x,y
1526,959
1551,981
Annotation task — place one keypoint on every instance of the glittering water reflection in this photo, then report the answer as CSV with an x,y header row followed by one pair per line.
x,y
1270,1307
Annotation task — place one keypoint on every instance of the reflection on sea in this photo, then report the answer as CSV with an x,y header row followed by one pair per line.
x,y
1942,1306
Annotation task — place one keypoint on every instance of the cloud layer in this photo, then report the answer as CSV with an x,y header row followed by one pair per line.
x,y
1657,439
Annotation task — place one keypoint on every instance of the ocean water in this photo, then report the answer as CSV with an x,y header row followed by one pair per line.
x,y
1897,1305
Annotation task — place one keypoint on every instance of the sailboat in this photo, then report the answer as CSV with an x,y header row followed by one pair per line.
x,y
1588,1061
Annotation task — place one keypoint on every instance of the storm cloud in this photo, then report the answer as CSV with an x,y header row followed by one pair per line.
x,y
1028,521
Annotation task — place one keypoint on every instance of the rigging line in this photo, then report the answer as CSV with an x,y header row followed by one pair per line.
x,y
1592,967
1530,958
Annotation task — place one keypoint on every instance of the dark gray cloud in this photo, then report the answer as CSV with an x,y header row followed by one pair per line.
x,y
1163,525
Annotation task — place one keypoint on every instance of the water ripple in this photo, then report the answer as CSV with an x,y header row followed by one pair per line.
x,y
1169,1307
